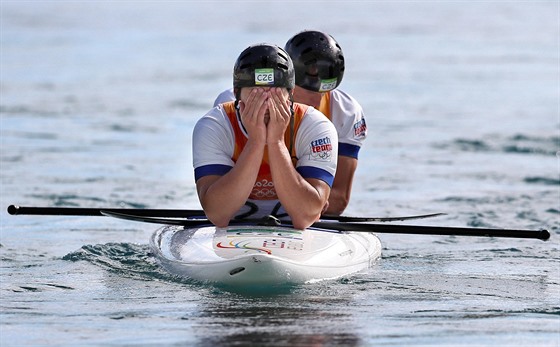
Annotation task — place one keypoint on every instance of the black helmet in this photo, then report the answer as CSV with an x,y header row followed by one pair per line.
x,y
318,60
264,65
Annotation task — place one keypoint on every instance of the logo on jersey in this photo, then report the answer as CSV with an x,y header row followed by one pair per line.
x,y
321,149
360,128
263,190
264,77
327,85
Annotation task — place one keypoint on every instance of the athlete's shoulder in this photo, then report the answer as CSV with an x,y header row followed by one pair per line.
x,y
225,96
344,100
314,121
312,113
215,117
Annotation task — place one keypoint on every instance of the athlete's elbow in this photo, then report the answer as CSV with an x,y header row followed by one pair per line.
x,y
336,207
220,223
301,225
304,221
220,220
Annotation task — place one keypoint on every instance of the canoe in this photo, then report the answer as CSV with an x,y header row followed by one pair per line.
x,y
262,255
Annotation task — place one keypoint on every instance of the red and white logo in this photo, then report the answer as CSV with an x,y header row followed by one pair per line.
x,y
360,128
321,149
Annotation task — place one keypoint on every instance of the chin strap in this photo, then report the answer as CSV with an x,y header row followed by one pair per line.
x,y
292,130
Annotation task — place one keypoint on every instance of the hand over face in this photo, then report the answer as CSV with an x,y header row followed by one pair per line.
x,y
252,107
279,111
265,113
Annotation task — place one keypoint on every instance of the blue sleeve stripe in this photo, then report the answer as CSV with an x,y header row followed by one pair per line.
x,y
313,172
214,169
348,150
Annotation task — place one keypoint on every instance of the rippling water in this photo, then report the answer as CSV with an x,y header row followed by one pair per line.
x,y
98,101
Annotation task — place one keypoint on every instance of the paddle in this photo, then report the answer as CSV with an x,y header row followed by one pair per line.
x,y
357,227
79,211
178,217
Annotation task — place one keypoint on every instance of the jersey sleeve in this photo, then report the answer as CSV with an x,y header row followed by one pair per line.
x,y
316,147
348,118
225,96
212,144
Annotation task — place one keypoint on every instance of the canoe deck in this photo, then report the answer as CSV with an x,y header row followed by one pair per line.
x,y
262,255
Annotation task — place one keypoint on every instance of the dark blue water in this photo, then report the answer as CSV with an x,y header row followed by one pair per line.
x,y
98,102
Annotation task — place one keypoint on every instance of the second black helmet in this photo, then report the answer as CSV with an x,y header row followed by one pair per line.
x,y
318,60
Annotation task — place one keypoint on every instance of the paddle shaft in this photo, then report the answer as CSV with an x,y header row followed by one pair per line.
x,y
435,230
82,211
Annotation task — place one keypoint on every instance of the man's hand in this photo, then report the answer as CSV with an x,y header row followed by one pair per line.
x,y
279,110
253,114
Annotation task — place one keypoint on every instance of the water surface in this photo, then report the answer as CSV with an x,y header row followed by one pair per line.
x,y
98,102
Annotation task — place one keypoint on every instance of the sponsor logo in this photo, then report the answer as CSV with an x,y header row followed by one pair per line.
x,y
264,77
321,149
244,245
360,128
270,232
263,189
345,253
268,245
327,85
294,245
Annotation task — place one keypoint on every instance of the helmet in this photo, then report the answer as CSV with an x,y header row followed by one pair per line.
x,y
264,65
318,60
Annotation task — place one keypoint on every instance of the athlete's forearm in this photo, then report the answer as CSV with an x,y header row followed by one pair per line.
x,y
342,185
337,202
302,201
226,195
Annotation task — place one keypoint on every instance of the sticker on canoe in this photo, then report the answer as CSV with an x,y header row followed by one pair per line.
x,y
291,234
261,240
267,245
243,245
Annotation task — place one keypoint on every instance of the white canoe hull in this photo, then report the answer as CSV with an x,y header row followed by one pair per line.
x,y
262,255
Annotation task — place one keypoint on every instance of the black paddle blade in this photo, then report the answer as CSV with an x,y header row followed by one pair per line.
x,y
379,219
194,222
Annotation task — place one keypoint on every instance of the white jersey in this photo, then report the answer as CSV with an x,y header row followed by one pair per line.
x,y
225,96
315,147
344,112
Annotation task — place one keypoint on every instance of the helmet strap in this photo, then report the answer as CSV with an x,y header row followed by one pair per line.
x,y
292,126
237,93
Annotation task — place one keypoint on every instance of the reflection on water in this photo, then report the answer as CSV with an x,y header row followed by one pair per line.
x,y
279,321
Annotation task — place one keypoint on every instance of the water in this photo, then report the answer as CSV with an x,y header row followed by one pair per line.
x,y
98,101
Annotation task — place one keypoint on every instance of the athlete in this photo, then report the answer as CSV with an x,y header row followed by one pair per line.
x,y
319,67
264,154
